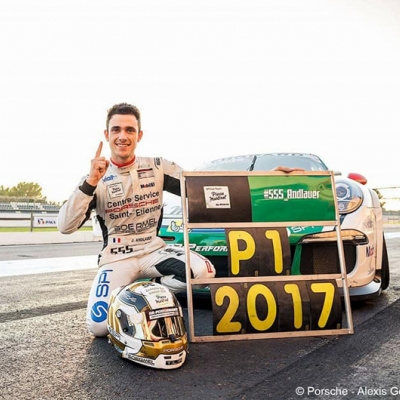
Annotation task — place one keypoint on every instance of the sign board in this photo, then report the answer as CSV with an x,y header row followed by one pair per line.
x,y
260,298
289,198
43,220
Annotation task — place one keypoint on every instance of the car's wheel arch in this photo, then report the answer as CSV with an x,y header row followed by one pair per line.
x,y
384,272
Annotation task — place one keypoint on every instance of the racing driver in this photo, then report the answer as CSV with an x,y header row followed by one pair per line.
x,y
126,193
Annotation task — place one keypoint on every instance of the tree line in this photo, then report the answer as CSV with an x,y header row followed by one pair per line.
x,y
23,191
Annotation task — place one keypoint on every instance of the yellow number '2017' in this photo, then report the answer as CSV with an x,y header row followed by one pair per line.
x,y
227,325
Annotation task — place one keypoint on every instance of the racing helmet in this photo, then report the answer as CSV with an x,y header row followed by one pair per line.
x,y
145,324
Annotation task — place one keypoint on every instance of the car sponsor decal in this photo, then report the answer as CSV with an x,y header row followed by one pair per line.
x,y
210,241
369,251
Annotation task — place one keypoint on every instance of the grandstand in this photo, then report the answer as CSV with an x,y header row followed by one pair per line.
x,y
27,207
24,212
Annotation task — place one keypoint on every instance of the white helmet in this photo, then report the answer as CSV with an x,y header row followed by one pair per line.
x,y
145,325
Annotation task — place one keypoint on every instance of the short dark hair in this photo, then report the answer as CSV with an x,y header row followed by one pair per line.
x,y
123,108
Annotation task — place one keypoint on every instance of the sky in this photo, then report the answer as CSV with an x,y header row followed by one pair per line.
x,y
212,78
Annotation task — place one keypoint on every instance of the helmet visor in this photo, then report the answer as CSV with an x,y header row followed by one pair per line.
x,y
155,325
165,323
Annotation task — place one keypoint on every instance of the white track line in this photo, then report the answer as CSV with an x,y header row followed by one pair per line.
x,y
43,265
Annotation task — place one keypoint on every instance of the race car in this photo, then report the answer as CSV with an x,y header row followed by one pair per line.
x,y
313,249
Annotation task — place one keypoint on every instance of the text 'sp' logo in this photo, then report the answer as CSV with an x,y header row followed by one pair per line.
x,y
99,311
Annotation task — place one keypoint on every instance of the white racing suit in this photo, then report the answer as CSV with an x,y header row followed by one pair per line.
x,y
128,203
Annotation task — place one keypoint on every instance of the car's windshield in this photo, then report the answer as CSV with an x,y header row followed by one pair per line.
x,y
265,162
227,164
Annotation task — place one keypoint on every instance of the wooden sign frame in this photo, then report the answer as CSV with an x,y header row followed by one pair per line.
x,y
259,307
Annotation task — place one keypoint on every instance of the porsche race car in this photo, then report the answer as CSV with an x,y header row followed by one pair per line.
x,y
313,248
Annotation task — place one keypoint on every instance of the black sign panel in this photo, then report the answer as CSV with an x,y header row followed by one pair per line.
x,y
218,199
284,306
258,252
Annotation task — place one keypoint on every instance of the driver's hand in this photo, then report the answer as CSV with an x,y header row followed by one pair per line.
x,y
98,167
287,169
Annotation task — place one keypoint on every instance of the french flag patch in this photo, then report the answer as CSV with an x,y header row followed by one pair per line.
x,y
116,240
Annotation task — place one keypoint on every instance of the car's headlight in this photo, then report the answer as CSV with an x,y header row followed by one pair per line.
x,y
349,197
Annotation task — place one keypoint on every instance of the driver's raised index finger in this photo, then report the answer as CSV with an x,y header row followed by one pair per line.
x,y
98,152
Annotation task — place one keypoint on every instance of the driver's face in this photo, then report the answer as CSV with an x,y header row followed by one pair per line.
x,y
123,135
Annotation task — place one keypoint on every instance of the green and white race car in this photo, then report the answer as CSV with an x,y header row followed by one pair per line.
x,y
313,249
